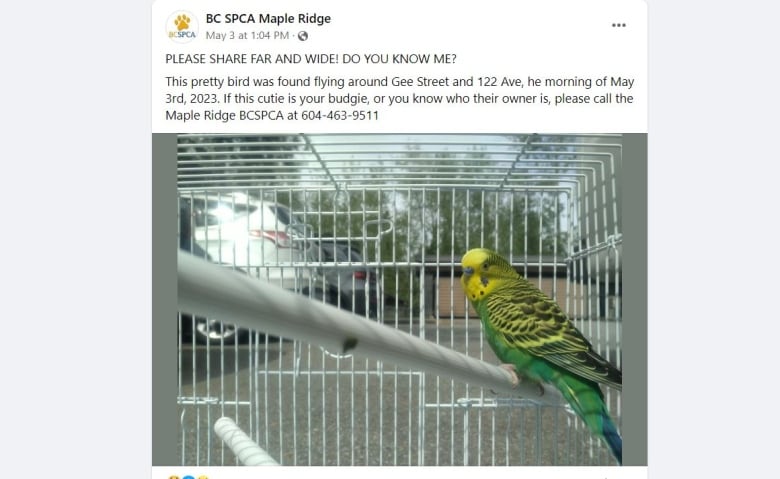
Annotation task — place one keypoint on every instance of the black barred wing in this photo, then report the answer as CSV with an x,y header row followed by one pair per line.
x,y
528,319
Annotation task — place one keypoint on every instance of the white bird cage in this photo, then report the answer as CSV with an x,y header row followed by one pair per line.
x,y
382,221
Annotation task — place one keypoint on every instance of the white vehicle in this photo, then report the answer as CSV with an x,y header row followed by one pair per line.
x,y
256,236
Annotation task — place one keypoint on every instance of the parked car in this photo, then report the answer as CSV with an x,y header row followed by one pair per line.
x,y
352,287
257,237
260,237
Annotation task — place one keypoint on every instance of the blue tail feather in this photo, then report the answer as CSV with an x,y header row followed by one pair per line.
x,y
586,399
613,439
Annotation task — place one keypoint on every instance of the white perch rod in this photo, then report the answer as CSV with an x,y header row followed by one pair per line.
x,y
245,449
209,290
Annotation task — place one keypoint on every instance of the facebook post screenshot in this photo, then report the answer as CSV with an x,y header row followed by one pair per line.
x,y
399,233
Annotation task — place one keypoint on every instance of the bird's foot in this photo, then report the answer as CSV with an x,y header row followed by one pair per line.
x,y
516,379
511,369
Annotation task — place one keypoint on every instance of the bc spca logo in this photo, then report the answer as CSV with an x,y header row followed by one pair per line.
x,y
182,26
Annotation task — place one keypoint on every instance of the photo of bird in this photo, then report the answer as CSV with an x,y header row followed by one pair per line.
x,y
529,332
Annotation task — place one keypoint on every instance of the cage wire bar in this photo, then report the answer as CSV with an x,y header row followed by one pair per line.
x,y
376,224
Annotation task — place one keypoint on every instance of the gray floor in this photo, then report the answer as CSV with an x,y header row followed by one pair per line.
x,y
306,407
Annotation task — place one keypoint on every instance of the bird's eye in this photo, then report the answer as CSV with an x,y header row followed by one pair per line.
x,y
485,265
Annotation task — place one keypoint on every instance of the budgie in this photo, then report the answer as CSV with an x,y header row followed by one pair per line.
x,y
530,332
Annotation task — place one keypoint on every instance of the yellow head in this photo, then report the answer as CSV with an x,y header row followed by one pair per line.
x,y
483,270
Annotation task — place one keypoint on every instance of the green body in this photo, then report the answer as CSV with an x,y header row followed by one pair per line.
x,y
583,395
